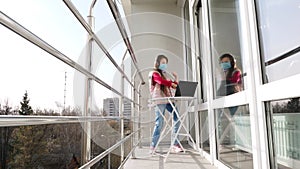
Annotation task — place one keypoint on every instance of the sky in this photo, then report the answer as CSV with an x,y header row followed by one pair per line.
x,y
278,28
25,67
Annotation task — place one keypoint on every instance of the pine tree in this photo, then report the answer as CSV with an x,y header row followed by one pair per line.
x,y
25,107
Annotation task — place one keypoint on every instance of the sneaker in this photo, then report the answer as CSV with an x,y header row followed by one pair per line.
x,y
177,148
151,151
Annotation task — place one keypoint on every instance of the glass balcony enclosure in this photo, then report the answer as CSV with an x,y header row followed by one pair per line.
x,y
75,85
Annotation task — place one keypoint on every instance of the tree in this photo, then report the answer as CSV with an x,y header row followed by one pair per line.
x,y
5,135
25,107
28,145
293,106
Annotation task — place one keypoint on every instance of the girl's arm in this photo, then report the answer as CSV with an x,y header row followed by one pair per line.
x,y
158,79
236,77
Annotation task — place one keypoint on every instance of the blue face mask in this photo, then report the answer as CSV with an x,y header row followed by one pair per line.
x,y
226,65
163,67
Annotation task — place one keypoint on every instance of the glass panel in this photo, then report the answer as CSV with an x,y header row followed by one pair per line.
x,y
203,75
104,135
204,131
202,60
105,70
284,68
234,145
191,119
225,36
42,146
104,140
106,101
285,130
277,35
187,41
106,28
48,81
60,28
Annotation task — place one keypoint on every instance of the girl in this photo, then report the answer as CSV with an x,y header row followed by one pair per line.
x,y
161,87
233,82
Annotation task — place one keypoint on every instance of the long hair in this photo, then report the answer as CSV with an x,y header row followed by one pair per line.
x,y
156,68
232,62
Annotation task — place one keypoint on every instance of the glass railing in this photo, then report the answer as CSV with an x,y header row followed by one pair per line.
x,y
286,138
234,144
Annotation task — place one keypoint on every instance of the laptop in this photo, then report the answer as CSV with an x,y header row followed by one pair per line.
x,y
186,89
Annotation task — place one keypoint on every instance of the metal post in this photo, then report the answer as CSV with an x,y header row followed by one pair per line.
x,y
134,128
86,143
108,161
139,114
121,107
139,72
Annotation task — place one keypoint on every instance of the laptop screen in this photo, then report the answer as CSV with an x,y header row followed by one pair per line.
x,y
186,89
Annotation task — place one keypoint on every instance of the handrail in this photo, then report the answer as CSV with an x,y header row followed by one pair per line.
x,y
106,152
77,14
283,56
92,7
19,120
19,29
120,24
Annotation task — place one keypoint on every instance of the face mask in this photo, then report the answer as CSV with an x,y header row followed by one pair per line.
x,y
225,65
162,67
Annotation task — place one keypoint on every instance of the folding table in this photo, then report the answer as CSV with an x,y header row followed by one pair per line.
x,y
181,118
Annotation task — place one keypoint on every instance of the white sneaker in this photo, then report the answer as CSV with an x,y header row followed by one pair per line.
x,y
176,149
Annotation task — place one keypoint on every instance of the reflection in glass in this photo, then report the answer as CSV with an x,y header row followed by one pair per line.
x,y
280,46
285,130
234,137
231,76
204,131
225,39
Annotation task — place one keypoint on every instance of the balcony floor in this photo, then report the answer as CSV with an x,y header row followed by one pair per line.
x,y
188,159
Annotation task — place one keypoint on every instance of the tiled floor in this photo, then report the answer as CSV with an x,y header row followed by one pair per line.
x,y
189,160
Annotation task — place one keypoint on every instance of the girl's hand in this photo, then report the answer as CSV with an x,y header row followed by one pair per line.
x,y
174,85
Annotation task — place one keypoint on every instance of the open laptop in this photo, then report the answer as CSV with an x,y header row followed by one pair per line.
x,y
186,89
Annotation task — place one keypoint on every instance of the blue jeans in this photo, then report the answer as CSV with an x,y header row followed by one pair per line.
x,y
159,122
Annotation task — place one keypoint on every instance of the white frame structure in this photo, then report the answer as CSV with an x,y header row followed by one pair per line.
x,y
257,92
254,96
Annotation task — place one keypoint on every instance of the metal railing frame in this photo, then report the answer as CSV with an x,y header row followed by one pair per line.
x,y
88,28
139,136
19,120
120,24
26,34
106,152
31,37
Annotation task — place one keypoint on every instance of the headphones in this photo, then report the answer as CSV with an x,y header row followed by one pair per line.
x,y
230,56
158,58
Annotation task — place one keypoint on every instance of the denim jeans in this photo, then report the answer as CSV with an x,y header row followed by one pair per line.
x,y
159,122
